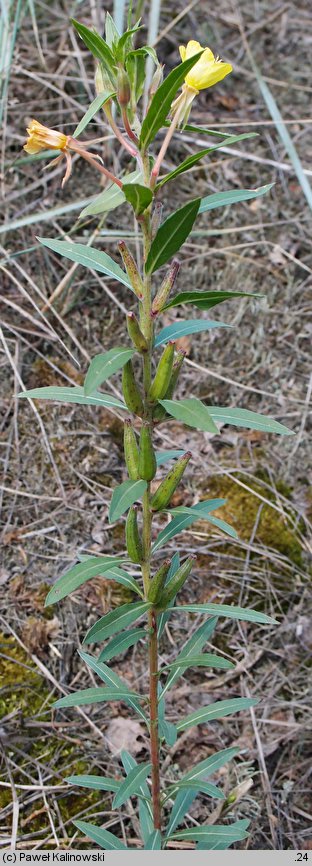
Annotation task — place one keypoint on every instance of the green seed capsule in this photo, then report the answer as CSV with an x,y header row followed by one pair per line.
x,y
165,288
163,374
147,458
133,540
159,412
131,451
135,333
131,392
176,582
164,492
158,582
131,269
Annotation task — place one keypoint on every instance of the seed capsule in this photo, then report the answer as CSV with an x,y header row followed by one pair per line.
x,y
164,492
165,288
131,269
158,581
131,451
159,412
123,87
147,458
133,540
156,217
135,333
163,374
175,584
131,392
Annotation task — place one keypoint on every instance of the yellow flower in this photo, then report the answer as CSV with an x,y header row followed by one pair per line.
x,y
207,71
41,137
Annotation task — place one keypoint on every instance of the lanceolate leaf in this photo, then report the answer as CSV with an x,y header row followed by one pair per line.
x,y
121,643
216,711
95,260
72,395
204,660
201,787
115,621
112,196
138,196
192,411
94,566
171,235
113,681
192,646
206,300
220,843
201,511
180,329
231,196
182,521
145,807
95,106
102,837
196,414
164,456
168,731
97,46
94,696
131,785
97,783
163,619
103,366
230,611
182,803
154,841
200,771
162,99
196,157
123,496
212,833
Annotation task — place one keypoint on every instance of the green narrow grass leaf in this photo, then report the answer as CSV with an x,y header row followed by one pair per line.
x,y
180,329
153,842
121,643
72,395
89,257
95,106
94,566
124,496
171,235
231,196
103,366
215,711
230,611
182,521
94,696
193,645
112,196
96,783
116,620
162,99
138,196
132,784
204,660
207,300
196,157
192,412
102,837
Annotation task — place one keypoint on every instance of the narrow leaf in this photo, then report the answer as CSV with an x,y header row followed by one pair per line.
x,y
111,197
200,787
164,456
94,696
95,106
193,645
162,99
231,196
121,643
72,395
103,366
182,521
123,496
245,418
196,157
97,46
154,841
94,566
192,412
230,611
102,837
168,731
206,300
212,833
163,619
180,329
205,660
145,806
221,844
96,783
113,680
171,235
201,512
182,803
131,785
89,257
216,711
138,196
115,621
202,770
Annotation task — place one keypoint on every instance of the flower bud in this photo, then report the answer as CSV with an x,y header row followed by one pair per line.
x,y
158,581
156,80
131,269
165,288
176,582
102,81
123,87
135,333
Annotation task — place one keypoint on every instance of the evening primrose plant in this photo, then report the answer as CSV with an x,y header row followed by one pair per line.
x,y
151,366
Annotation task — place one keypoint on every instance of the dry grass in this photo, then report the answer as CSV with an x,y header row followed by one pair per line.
x,y
60,463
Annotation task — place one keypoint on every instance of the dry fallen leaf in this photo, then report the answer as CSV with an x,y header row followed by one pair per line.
x,y
38,633
124,734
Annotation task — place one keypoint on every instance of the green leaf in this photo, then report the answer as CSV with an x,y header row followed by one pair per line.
x,y
201,511
112,35
123,496
145,806
215,711
184,798
182,803
113,680
94,566
231,196
103,366
111,197
244,418
138,196
163,619
212,833
230,611
95,260
121,643
221,133
193,645
220,844
153,842
96,783
164,456
206,300
121,47
94,696
171,235
192,411
116,620
131,785
182,521
204,660
180,329
72,395
200,787
102,837
195,157
162,99
95,106
97,46
168,731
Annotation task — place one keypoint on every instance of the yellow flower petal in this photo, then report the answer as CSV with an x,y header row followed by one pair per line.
x,y
207,71
42,137
182,50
